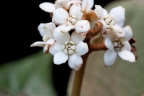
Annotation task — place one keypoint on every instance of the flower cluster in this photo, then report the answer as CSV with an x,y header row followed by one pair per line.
x,y
116,37
73,22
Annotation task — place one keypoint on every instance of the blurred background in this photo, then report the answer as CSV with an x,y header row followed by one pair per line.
x,y
26,71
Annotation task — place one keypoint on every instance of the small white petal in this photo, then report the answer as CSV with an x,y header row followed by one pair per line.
x,y
108,44
50,42
61,4
105,13
82,26
61,37
118,13
55,48
66,29
41,29
72,2
38,43
99,11
117,30
128,32
76,37
87,4
126,46
62,26
75,62
47,7
48,29
127,55
60,58
74,8
82,48
79,14
109,58
59,16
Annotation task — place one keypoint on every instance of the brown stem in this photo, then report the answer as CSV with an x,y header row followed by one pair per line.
x,y
93,32
79,77
97,47
80,73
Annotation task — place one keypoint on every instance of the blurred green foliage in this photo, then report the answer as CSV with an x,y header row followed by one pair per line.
x,y
30,76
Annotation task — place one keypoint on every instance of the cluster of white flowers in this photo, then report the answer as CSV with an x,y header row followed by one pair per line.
x,y
67,16
115,35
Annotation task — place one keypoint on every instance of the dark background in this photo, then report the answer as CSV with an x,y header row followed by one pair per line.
x,y
19,20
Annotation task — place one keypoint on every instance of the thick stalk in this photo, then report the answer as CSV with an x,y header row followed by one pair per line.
x,y
79,77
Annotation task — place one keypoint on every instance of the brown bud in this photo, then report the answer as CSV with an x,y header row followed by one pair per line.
x,y
133,48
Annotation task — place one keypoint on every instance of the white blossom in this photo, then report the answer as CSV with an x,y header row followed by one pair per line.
x,y
119,46
116,37
65,18
46,31
69,22
78,16
68,48
112,22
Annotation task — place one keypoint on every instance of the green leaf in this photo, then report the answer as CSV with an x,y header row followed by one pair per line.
x,y
29,76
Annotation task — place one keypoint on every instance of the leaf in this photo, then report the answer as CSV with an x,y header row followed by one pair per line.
x,y
29,76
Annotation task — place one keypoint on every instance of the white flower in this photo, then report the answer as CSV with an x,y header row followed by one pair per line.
x,y
68,48
46,31
72,21
61,16
50,7
116,37
112,22
115,16
119,46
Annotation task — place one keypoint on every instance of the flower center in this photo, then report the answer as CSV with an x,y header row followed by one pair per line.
x,y
69,47
109,21
117,45
71,20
